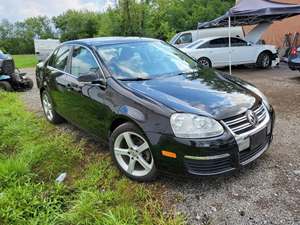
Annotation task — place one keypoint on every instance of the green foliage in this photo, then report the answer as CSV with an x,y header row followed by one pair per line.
x,y
151,18
25,61
33,153
18,38
77,24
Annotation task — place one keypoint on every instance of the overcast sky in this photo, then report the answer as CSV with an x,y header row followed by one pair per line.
x,y
15,10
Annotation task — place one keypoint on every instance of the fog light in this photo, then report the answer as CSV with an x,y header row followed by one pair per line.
x,y
169,154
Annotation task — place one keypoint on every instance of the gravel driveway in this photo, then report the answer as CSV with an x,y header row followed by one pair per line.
x,y
267,191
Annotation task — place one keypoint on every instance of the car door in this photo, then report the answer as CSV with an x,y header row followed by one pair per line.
x,y
86,102
217,51
242,52
184,39
55,78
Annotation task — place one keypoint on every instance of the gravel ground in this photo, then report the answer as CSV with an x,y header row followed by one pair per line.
x,y
267,191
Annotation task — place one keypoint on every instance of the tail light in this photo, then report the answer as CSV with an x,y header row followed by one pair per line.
x,y
294,52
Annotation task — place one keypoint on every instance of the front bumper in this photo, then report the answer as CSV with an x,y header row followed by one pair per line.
x,y
294,63
210,156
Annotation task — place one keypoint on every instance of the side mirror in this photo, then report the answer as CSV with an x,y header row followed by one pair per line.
x,y
100,83
88,78
94,79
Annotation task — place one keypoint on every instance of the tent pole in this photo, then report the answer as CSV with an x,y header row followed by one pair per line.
x,y
229,44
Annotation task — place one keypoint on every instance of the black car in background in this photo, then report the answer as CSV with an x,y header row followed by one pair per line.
x,y
158,108
294,59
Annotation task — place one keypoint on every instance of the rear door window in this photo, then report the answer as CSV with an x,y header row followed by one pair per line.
x,y
59,59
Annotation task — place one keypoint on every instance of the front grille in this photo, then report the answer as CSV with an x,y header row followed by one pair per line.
x,y
8,67
240,124
208,167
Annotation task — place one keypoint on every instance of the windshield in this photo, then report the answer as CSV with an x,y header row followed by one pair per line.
x,y
145,60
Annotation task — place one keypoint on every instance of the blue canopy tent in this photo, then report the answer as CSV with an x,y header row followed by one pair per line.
x,y
251,12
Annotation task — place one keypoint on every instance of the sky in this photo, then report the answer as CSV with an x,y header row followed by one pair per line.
x,y
16,10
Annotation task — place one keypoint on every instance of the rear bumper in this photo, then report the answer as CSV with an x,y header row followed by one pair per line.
x,y
207,157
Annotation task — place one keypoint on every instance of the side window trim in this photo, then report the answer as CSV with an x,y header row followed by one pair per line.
x,y
96,60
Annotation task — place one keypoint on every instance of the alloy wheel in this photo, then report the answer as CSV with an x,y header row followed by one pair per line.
x,y
47,106
266,61
204,62
133,154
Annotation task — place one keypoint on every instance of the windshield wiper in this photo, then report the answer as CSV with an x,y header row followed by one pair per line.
x,y
135,79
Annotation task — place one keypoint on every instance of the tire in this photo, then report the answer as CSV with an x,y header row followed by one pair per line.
x,y
264,60
29,85
5,86
205,62
47,104
135,162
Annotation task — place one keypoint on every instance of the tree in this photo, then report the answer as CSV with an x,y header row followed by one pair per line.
x,y
77,24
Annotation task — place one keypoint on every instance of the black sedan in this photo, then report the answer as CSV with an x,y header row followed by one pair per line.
x,y
159,109
294,59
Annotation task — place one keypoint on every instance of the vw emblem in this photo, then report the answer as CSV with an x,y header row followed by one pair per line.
x,y
251,117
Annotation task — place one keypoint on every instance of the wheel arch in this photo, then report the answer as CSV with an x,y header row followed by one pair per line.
x,y
121,119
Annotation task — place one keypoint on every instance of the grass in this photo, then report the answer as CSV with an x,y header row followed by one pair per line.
x,y
33,153
25,61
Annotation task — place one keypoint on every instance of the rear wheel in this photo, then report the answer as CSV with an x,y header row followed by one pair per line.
x,y
48,108
264,60
5,86
132,154
204,62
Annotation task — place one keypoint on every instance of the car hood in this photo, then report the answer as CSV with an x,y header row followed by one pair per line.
x,y
206,92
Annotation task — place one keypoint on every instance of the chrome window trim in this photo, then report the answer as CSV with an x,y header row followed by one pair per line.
x,y
69,74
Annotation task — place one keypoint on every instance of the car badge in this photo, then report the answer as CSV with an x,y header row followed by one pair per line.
x,y
252,118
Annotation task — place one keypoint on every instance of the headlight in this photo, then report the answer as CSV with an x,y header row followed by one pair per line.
x,y
186,125
260,94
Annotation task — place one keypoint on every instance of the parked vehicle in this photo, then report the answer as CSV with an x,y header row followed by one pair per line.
x,y
44,47
10,78
214,52
294,59
185,38
158,108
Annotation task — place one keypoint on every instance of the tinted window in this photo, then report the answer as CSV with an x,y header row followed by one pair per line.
x,y
236,42
218,43
59,59
83,62
145,60
185,38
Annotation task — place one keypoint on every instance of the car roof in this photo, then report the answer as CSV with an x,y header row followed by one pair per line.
x,y
100,41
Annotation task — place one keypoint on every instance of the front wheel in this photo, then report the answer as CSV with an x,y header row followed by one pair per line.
x,y
264,60
131,152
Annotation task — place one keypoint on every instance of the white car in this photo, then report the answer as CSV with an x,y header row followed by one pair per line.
x,y
214,52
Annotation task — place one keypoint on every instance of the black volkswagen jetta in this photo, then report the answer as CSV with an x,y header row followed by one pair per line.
x,y
159,109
